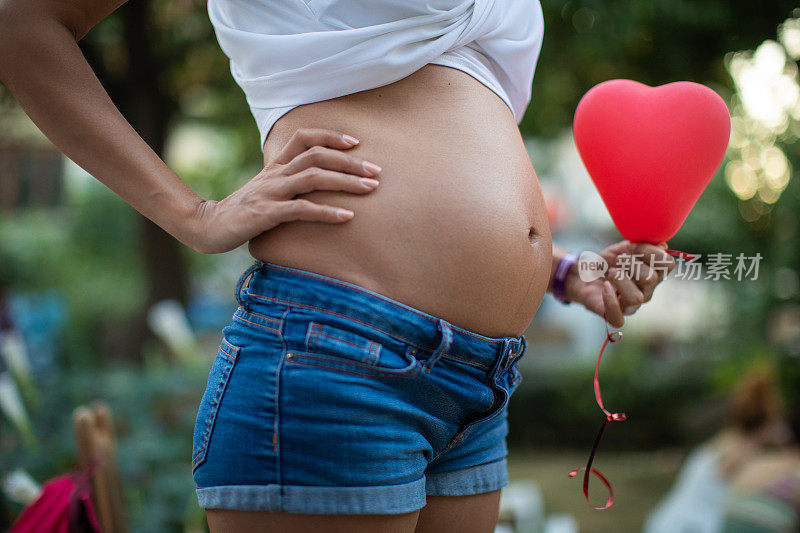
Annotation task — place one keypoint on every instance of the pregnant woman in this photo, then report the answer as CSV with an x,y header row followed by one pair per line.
x,y
400,241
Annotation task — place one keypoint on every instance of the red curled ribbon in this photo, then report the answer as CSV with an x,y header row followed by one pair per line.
x,y
679,254
611,336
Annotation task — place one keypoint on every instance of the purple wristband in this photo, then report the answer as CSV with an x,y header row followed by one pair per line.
x,y
560,276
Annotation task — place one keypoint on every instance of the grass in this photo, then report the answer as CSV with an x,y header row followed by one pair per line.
x,y
639,480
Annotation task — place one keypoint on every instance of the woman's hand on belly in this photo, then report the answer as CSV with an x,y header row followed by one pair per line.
x,y
312,160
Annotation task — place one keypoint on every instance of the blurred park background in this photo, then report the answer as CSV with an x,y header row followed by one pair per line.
x,y
99,303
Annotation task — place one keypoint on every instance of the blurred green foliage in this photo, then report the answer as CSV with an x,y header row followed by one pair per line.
x,y
651,41
89,249
154,408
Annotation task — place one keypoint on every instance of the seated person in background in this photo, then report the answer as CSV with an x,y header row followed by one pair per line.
x,y
765,493
696,502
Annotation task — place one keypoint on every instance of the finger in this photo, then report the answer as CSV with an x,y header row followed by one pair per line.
x,y
630,295
655,256
662,268
611,253
318,179
612,309
594,302
646,279
305,138
330,159
302,209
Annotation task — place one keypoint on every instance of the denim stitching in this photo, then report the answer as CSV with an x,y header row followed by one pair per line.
x,y
390,333
318,333
275,429
413,371
507,361
372,348
470,425
234,349
466,361
346,362
498,366
444,345
221,349
274,330
323,310
309,333
333,281
371,370
216,400
240,284
374,352
455,440
510,360
276,321
340,283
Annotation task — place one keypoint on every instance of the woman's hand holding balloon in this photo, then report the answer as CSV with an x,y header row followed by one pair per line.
x,y
635,270
651,152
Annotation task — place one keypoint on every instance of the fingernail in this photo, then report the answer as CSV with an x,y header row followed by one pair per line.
x,y
371,168
607,288
352,141
369,182
630,309
344,214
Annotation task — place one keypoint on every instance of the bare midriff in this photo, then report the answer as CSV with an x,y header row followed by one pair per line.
x,y
457,227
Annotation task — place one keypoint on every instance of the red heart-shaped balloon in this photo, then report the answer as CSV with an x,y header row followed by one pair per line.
x,y
651,151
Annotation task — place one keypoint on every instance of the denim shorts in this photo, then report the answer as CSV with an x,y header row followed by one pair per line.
x,y
326,397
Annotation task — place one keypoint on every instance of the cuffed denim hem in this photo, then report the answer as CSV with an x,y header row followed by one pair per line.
x,y
392,499
473,480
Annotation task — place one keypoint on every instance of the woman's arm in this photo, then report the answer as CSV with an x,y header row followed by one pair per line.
x,y
42,66
44,69
558,255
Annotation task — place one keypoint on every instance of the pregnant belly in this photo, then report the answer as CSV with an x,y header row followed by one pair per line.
x,y
457,227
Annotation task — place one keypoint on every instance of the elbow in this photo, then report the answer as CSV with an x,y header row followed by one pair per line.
x,y
24,20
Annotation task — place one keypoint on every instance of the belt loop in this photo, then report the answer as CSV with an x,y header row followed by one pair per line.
x,y
444,345
252,268
511,356
502,358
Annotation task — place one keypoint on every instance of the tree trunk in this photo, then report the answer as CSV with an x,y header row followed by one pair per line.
x,y
138,94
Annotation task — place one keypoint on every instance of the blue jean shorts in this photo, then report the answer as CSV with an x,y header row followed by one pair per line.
x,y
326,397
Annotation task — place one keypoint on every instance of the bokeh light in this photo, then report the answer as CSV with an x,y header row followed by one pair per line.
x,y
765,112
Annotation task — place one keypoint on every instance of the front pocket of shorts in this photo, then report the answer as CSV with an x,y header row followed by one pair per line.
x,y
218,379
340,349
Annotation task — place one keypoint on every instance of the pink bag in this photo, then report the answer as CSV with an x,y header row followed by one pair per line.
x,y
64,506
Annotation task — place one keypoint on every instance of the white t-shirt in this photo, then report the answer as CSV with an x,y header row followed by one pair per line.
x,y
285,53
